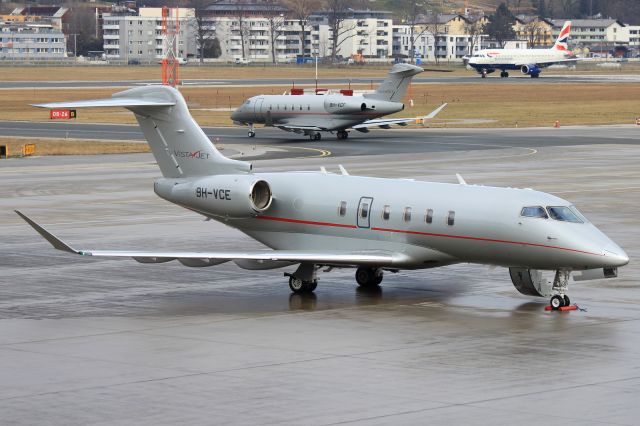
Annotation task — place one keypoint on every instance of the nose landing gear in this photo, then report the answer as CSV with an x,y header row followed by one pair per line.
x,y
252,132
560,301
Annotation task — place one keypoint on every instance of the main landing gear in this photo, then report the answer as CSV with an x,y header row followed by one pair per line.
x,y
483,73
304,279
504,74
369,277
315,136
342,134
560,286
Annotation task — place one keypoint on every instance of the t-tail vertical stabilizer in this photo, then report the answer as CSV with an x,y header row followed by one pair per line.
x,y
179,145
395,85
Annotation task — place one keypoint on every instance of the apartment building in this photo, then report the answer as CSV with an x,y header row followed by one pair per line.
x,y
24,41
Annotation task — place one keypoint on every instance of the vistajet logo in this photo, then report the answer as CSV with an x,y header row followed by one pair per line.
x,y
195,154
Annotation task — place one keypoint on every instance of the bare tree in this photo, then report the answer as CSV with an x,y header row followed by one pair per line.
x,y
339,11
275,21
411,13
205,29
534,33
473,27
301,10
244,27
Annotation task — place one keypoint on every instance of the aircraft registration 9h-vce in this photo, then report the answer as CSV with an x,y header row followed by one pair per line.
x,y
370,224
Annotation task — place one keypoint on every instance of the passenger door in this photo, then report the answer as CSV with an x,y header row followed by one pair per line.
x,y
257,109
364,212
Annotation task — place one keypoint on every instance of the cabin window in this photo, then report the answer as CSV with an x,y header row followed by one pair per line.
x,y
342,210
428,217
308,107
406,216
300,107
285,107
364,210
564,214
451,217
386,212
534,211
270,107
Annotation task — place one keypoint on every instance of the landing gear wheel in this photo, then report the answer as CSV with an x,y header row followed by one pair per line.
x,y
535,75
251,133
299,286
483,74
342,134
368,277
317,136
567,301
296,285
557,302
504,74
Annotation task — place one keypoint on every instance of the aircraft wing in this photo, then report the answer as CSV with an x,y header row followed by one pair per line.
x,y
300,129
385,123
252,259
549,62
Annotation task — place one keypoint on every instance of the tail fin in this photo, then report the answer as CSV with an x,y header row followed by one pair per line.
x,y
562,42
394,86
179,145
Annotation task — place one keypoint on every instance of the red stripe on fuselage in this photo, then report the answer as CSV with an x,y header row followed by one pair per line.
x,y
306,222
426,234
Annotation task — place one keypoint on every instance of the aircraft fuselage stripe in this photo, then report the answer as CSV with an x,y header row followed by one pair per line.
x,y
427,234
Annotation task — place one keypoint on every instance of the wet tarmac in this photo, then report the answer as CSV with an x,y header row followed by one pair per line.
x,y
104,341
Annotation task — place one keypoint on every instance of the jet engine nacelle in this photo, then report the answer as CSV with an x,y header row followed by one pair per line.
x,y
232,196
530,282
530,69
345,105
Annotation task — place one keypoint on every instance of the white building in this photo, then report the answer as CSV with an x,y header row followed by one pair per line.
x,y
140,39
247,33
364,33
424,44
587,32
31,42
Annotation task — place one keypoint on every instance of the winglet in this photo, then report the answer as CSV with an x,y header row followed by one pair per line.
x,y
461,181
435,112
53,240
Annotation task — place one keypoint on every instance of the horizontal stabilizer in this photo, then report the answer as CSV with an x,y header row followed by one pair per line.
x,y
108,102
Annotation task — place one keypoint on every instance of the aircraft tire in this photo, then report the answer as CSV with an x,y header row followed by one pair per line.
x,y
368,277
251,133
556,302
317,136
567,301
299,286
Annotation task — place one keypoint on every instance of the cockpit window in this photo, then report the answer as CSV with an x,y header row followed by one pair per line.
x,y
577,213
534,211
565,214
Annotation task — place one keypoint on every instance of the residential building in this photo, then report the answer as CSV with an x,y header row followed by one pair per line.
x,y
139,37
588,32
25,41
537,31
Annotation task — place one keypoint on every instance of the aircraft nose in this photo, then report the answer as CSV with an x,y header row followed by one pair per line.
x,y
615,255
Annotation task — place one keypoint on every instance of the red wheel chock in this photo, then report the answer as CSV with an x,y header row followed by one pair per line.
x,y
562,308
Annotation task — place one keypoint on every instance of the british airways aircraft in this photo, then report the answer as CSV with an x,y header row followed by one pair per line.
x,y
311,114
528,61
311,220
